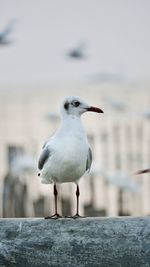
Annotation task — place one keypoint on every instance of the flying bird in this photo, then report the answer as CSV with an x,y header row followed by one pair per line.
x,y
146,114
78,52
4,40
67,155
123,181
23,164
116,104
143,171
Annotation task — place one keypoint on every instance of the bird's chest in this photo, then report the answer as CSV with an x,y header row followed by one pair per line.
x,y
71,159
73,151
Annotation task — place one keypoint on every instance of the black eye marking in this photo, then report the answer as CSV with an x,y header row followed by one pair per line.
x,y
66,105
75,103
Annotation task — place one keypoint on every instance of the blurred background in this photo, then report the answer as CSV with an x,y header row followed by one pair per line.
x,y
99,50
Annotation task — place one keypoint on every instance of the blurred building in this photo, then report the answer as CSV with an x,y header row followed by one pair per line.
x,y
120,139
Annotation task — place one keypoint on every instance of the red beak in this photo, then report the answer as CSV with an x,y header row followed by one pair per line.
x,y
94,109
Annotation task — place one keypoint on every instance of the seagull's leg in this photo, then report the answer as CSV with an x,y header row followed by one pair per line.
x,y
55,195
77,211
56,215
77,195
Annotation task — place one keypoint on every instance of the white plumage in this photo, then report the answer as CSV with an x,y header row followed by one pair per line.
x,y
66,156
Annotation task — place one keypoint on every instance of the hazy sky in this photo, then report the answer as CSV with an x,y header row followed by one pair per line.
x,y
117,34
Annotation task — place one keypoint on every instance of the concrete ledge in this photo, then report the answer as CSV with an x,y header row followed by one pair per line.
x,y
102,242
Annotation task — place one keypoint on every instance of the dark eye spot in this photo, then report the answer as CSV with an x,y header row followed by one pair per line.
x,y
76,103
66,105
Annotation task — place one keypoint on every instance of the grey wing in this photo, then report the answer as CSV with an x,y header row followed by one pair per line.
x,y
43,158
89,159
45,144
47,141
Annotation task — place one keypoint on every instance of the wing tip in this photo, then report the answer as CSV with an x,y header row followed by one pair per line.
x,y
143,171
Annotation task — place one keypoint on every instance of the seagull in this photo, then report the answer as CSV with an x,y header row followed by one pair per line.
x,y
23,164
6,32
67,155
78,52
143,171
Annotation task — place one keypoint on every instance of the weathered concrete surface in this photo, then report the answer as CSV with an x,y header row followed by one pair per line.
x,y
102,242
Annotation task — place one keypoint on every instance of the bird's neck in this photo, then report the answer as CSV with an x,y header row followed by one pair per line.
x,y
72,124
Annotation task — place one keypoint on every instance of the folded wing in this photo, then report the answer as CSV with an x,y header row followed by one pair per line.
x,y
89,159
43,158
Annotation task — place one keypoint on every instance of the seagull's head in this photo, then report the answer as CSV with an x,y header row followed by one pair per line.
x,y
75,106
